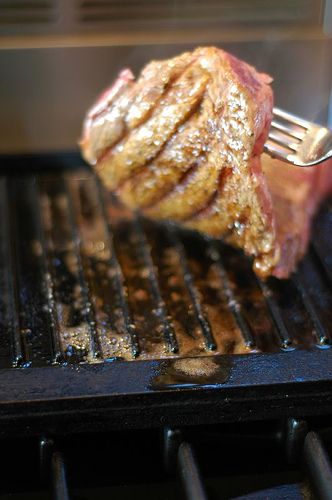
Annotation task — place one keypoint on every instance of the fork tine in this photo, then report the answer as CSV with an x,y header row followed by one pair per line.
x,y
282,141
286,130
275,151
291,118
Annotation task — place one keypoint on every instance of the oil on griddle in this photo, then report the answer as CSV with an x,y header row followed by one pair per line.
x,y
84,280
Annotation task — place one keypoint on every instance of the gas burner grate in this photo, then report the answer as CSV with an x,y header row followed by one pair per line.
x,y
182,463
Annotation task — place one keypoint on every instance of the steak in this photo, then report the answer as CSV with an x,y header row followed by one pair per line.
x,y
296,193
184,143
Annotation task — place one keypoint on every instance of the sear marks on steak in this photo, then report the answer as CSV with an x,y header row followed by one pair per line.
x,y
184,143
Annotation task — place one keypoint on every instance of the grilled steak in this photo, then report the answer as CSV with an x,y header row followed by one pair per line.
x,y
184,141
296,194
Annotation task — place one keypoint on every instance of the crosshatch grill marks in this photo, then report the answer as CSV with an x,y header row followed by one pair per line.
x,y
178,105
131,106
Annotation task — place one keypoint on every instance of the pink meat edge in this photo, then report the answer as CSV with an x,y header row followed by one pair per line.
x,y
293,247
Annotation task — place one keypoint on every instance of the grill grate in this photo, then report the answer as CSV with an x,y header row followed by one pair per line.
x,y
85,280
103,313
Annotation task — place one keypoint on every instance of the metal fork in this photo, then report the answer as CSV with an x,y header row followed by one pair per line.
x,y
298,141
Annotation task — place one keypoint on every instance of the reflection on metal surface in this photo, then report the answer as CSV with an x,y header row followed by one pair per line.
x,y
191,373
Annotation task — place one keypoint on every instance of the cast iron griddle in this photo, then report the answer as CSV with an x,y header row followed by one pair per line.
x,y
109,320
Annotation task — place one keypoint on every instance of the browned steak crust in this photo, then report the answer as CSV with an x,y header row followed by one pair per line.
x,y
184,141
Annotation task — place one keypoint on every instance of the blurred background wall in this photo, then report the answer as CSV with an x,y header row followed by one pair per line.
x,y
57,55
